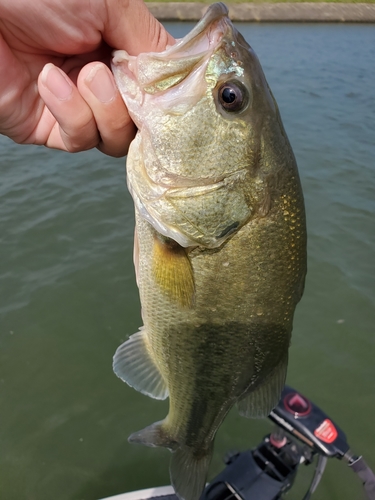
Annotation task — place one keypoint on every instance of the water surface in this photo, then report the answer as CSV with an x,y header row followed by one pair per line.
x,y
68,295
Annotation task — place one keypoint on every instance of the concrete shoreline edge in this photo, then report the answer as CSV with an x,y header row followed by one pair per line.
x,y
270,12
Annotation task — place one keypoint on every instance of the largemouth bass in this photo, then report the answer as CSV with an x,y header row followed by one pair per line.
x,y
220,241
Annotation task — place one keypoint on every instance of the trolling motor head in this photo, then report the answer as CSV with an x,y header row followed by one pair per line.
x,y
303,431
307,422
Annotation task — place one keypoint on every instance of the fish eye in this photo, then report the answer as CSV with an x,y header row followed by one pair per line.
x,y
233,96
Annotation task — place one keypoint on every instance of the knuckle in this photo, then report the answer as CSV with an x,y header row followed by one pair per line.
x,y
81,137
77,146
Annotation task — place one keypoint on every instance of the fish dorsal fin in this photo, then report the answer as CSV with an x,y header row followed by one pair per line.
x,y
172,270
258,403
133,364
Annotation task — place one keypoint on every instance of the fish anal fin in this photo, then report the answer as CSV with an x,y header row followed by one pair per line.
x,y
172,271
133,364
259,402
188,471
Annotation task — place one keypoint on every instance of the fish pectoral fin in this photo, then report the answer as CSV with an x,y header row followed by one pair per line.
x,y
133,364
172,271
259,402
188,471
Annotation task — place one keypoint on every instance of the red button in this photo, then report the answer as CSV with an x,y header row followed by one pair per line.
x,y
297,404
326,431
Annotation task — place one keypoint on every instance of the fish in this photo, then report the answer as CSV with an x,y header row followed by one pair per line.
x,y
219,244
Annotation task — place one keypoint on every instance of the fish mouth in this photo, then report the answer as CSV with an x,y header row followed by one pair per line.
x,y
156,72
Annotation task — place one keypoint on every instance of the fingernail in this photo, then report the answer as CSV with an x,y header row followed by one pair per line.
x,y
101,84
56,82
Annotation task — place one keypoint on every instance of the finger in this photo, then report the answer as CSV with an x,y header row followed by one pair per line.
x,y
131,26
17,96
96,85
68,122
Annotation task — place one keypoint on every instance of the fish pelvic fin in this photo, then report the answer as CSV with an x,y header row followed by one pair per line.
x,y
134,364
188,471
172,271
154,435
259,402
188,468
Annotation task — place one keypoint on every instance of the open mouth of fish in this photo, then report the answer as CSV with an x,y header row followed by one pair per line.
x,y
153,73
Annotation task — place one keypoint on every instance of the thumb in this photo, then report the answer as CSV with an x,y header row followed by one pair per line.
x,y
132,27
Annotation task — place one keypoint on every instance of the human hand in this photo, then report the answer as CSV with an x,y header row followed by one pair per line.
x,y
73,104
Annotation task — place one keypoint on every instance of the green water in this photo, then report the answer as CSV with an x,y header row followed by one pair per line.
x,y
68,295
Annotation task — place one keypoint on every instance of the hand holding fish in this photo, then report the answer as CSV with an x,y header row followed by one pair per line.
x,y
55,86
